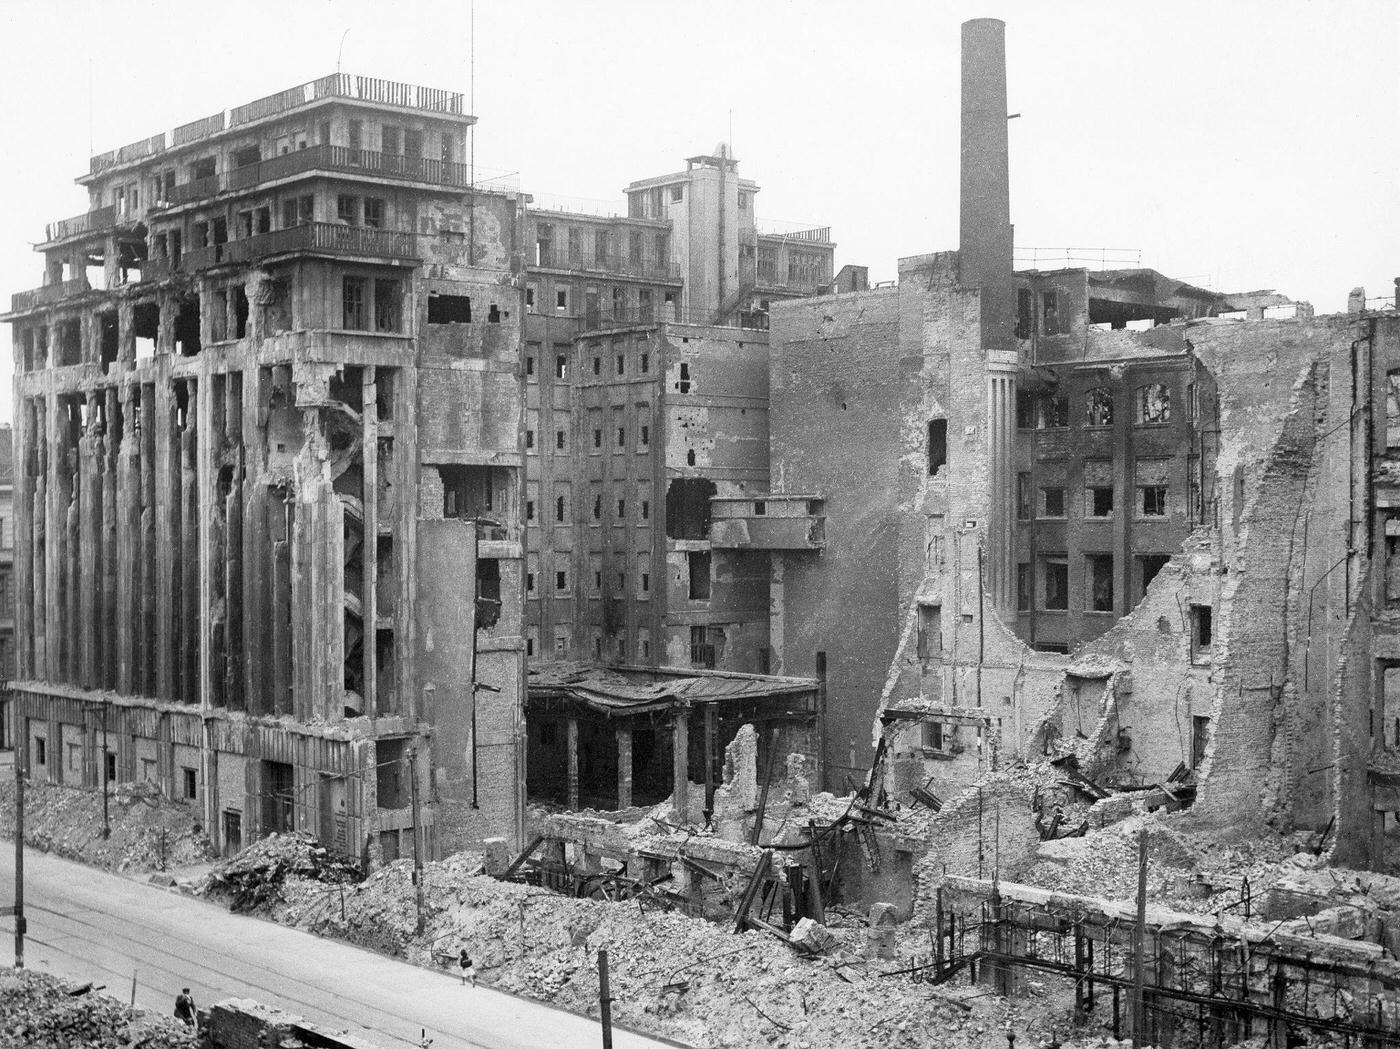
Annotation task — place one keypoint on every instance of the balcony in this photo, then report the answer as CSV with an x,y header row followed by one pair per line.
x,y
97,220
48,294
622,265
771,522
325,158
318,238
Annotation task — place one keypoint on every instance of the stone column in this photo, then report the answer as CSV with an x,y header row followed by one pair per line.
x,y
680,754
624,768
573,763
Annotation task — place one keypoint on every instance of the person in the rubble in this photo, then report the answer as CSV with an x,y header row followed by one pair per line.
x,y
464,960
184,1007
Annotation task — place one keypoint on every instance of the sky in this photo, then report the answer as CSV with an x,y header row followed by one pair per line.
x,y
1238,145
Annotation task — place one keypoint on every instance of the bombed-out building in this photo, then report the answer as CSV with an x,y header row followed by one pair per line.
x,y
646,374
1115,520
268,539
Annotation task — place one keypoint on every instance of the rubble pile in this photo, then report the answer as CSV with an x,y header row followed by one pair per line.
x,y
254,878
148,831
681,977
40,1010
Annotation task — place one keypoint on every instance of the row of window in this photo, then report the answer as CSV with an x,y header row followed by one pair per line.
x,y
698,582
1050,592
561,581
619,442
576,248
1152,406
563,642
1048,502
620,300
619,365
561,509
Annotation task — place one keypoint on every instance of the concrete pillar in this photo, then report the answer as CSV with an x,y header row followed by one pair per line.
x,y
1001,431
680,754
573,763
624,768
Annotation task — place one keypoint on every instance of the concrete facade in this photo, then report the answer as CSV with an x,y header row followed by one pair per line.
x,y
268,413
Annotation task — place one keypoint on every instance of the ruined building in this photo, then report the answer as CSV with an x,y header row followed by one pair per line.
x,y
268,417
1115,520
646,369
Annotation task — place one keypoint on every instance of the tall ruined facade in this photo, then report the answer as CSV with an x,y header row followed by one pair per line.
x,y
268,538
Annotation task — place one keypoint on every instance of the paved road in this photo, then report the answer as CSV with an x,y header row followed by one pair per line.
x,y
90,925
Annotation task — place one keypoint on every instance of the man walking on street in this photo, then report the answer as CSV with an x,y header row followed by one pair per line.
x,y
184,1007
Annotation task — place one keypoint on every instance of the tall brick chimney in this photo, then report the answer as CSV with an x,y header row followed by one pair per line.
x,y
984,263
984,240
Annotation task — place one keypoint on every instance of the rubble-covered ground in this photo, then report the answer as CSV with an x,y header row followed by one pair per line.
x,y
149,832
685,978
39,1011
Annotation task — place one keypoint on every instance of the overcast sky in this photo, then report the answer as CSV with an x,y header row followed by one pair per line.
x,y
1238,145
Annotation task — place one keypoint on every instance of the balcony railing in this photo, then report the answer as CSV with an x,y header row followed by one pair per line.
x,y
319,237
325,158
49,293
625,265
97,219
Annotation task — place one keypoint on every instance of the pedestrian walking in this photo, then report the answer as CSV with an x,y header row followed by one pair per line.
x,y
464,960
184,1007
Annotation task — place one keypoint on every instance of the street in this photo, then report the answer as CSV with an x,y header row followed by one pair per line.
x,y
86,924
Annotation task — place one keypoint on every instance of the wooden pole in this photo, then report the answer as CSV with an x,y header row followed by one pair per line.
x,y
20,756
417,834
133,988
604,998
1139,1014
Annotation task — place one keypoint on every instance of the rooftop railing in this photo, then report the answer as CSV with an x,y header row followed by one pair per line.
x,y
790,231
337,85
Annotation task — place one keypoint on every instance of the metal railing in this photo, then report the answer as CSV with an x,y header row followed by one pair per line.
x,y
96,219
790,231
1077,258
321,237
324,158
49,293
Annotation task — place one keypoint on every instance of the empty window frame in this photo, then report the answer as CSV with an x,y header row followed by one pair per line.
x,y
1024,587
1098,406
937,445
1202,633
1053,412
1148,565
1098,582
1052,501
354,309
698,562
1054,574
1152,404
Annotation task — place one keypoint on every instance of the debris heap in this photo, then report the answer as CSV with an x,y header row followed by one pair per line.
x,y
254,878
40,1010
148,831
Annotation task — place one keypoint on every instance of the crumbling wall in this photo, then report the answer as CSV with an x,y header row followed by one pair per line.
x,y
834,362
1260,606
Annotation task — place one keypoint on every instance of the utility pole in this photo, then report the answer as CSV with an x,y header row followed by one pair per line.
x,y
417,834
1139,1017
21,753
604,998
106,821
